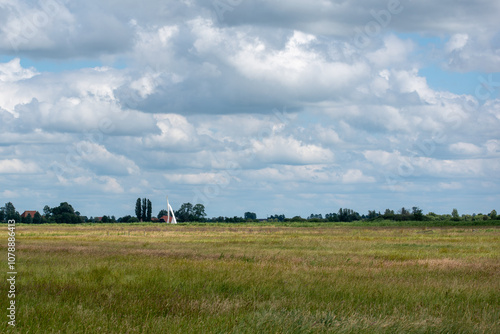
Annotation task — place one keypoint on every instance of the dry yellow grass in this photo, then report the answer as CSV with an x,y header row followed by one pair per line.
x,y
257,279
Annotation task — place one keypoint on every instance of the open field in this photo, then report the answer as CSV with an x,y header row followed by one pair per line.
x,y
255,279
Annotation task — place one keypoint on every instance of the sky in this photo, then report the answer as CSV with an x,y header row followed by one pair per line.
x,y
274,107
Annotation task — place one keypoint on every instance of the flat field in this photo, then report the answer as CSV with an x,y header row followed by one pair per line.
x,y
255,279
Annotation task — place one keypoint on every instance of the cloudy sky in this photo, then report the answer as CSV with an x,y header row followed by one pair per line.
x,y
276,107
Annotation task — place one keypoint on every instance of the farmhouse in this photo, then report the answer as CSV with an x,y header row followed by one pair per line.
x,y
26,213
166,219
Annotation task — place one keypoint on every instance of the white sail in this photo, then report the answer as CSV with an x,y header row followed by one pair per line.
x,y
170,210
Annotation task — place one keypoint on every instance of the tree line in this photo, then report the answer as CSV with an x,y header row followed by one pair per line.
x,y
65,213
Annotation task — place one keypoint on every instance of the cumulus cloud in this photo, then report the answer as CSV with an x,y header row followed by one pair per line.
x,y
176,133
200,178
394,52
356,176
465,149
283,150
456,42
16,166
53,29
13,71
184,96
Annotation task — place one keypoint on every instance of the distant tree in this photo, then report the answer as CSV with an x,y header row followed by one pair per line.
x,y
46,211
11,213
403,214
315,216
64,214
250,216
332,217
432,216
124,219
162,213
297,219
279,218
37,218
149,211
234,219
454,215
27,219
417,213
199,212
2,215
493,214
348,215
144,214
138,209
185,213
389,214
467,217
133,220
105,219
372,214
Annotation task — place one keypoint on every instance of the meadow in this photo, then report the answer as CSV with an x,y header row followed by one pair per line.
x,y
224,278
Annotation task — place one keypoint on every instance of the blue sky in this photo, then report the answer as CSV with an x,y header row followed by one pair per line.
x,y
273,107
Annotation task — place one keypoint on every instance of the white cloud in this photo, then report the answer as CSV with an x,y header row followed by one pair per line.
x,y
382,157
97,157
356,176
290,151
176,133
493,147
167,32
450,185
456,42
220,178
297,65
10,194
313,173
327,136
465,149
414,165
395,52
13,71
16,166
110,185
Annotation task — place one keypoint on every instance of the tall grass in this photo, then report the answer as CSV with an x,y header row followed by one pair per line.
x,y
256,279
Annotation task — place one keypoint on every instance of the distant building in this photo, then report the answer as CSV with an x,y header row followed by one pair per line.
x,y
26,213
164,219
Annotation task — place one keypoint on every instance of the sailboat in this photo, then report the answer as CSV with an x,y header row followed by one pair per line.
x,y
170,210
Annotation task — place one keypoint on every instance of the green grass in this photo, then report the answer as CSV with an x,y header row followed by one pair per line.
x,y
227,278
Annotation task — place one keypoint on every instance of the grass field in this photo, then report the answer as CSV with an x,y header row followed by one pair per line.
x,y
255,279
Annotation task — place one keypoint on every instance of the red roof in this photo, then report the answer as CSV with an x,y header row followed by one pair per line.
x,y
165,218
26,213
